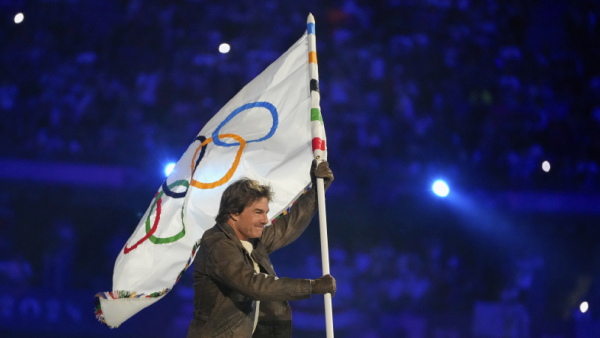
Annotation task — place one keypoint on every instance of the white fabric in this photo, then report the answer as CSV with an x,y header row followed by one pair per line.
x,y
248,246
283,161
114,310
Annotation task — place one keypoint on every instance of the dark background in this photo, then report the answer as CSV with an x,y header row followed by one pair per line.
x,y
97,97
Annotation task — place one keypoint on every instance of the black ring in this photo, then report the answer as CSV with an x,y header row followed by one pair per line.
x,y
165,187
172,194
201,139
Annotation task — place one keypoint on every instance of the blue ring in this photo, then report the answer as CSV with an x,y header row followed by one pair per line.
x,y
262,104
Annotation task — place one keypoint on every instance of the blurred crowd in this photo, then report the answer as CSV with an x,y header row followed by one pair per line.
x,y
479,91
379,278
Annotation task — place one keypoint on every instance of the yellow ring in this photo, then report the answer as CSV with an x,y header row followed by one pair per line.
x,y
231,170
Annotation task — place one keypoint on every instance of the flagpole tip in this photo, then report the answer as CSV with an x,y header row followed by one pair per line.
x,y
311,18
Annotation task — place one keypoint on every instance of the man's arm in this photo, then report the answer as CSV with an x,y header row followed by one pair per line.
x,y
289,227
226,264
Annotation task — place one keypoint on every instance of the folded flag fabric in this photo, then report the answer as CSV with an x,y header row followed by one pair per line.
x,y
263,132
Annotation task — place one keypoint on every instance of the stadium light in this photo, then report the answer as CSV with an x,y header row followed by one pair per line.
x,y
224,48
440,188
19,18
169,168
584,307
546,166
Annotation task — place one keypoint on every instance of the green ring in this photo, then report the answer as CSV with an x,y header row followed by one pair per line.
x,y
157,240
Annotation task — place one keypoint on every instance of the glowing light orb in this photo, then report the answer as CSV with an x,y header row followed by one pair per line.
x,y
546,166
19,18
169,168
440,188
224,48
584,307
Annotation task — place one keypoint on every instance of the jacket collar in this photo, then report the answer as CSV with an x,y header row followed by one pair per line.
x,y
262,258
227,230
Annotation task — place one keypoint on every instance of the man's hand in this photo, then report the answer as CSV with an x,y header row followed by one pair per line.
x,y
321,171
323,285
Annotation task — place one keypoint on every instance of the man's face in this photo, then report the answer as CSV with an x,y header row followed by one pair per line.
x,y
251,222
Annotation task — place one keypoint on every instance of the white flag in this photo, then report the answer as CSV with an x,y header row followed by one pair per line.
x,y
264,133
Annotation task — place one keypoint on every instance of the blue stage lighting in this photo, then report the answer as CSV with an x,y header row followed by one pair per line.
x,y
169,168
440,188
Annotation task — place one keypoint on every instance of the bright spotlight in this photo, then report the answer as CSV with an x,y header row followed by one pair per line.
x,y
546,166
224,48
169,168
440,188
19,18
584,307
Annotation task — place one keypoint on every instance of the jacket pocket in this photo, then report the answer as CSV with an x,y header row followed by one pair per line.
x,y
230,326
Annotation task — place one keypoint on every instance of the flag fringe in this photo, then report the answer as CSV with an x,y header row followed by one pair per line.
x,y
287,208
123,294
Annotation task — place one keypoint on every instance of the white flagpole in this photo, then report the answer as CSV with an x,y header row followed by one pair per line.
x,y
320,152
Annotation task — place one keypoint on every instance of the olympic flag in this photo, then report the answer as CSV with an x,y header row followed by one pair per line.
x,y
264,132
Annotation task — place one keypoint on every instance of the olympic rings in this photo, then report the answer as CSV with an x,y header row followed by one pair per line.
x,y
216,139
171,193
157,203
182,194
261,104
149,232
201,139
231,170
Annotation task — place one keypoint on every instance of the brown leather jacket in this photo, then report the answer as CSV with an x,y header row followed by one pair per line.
x,y
226,284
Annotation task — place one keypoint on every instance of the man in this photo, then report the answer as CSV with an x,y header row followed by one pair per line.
x,y
236,290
